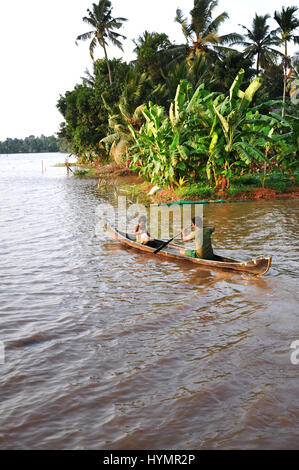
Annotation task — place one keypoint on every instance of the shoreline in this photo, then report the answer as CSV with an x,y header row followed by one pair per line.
x,y
128,181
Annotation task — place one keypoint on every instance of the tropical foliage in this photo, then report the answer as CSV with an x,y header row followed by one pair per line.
x,y
200,110
207,133
288,24
128,113
85,116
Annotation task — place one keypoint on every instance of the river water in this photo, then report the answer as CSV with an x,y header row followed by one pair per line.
x,y
106,348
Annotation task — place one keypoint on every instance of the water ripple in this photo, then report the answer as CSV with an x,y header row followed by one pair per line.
x,y
108,348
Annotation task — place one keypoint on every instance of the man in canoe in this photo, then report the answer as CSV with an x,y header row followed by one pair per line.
x,y
202,237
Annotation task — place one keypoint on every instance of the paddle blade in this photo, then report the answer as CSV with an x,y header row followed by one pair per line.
x,y
162,246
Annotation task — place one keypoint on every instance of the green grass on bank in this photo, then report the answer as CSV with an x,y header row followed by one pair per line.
x,y
239,186
195,190
60,165
207,192
81,171
86,172
243,185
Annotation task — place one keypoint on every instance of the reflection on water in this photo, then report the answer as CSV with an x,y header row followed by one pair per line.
x,y
109,348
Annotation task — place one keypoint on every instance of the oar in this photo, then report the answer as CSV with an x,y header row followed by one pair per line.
x,y
166,243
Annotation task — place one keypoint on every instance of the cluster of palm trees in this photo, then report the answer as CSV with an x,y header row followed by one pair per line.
x,y
195,59
201,33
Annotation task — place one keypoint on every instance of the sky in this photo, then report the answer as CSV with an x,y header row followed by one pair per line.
x,y
40,61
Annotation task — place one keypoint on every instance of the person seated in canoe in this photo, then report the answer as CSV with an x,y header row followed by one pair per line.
x,y
202,237
142,235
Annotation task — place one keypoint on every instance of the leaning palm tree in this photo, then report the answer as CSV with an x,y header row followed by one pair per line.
x,y
89,78
128,112
288,23
103,24
201,33
258,41
293,79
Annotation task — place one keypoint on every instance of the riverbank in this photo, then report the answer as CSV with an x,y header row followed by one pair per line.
x,y
252,193
246,187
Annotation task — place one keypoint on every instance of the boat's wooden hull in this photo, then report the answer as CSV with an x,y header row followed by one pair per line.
x,y
255,267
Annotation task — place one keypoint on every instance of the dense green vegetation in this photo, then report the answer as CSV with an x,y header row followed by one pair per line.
x,y
183,113
32,144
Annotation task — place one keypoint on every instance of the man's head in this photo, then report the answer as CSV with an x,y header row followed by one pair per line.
x,y
197,221
142,221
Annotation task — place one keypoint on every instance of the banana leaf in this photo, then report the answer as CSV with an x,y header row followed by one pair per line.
x,y
236,84
248,152
249,94
223,122
266,104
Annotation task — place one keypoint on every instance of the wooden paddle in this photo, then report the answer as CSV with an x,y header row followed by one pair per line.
x,y
166,243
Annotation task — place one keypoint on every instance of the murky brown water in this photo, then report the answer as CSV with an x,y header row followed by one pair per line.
x,y
106,348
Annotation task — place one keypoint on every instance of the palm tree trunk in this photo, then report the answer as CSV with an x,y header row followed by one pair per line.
x,y
258,64
108,65
284,77
284,94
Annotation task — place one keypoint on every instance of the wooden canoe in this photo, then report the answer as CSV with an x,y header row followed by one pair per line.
x,y
255,267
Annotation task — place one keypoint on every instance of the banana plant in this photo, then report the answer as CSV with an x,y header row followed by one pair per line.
x,y
154,154
205,131
286,142
229,144
170,147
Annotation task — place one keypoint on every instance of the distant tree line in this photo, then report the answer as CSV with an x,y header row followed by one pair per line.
x,y
32,144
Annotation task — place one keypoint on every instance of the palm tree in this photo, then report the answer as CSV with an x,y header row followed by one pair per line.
x,y
198,72
259,41
128,112
151,54
226,69
202,32
103,25
288,23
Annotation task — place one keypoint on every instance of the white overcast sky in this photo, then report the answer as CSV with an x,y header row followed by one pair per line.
x,y
39,59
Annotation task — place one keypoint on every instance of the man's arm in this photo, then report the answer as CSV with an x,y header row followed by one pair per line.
x,y
188,237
